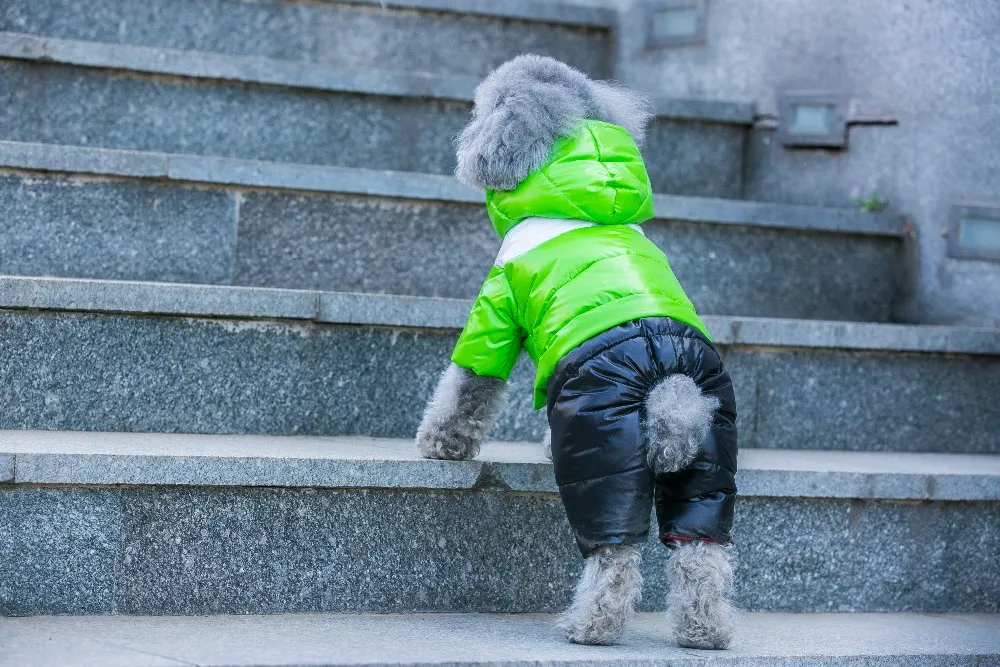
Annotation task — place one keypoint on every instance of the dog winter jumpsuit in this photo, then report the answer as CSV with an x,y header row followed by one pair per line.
x,y
598,309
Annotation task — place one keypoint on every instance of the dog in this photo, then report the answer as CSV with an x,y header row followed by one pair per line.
x,y
641,411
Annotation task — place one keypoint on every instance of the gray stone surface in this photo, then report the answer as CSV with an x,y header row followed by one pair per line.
x,y
26,649
201,550
363,244
706,110
854,555
126,373
449,43
695,158
592,13
783,216
198,551
438,313
116,230
150,298
930,65
348,35
839,399
735,270
820,177
70,227
410,185
204,65
763,640
58,547
319,178
62,104
82,159
169,374
88,458
390,310
296,552
853,336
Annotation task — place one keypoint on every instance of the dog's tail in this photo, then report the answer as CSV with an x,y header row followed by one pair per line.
x,y
678,417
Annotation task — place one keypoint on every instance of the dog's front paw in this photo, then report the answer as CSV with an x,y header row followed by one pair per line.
x,y
440,445
459,415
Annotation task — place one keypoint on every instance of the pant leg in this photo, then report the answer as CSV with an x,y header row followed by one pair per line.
x,y
598,448
699,501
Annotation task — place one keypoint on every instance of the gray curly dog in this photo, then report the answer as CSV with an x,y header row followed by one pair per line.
x,y
520,110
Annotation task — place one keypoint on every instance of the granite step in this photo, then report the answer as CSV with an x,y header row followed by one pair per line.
x,y
127,215
144,98
468,37
117,523
128,356
474,640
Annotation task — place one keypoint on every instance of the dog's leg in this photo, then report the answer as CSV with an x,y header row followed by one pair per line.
x,y
547,444
605,598
678,416
700,576
460,414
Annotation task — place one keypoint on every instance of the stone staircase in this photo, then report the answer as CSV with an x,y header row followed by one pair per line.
x,y
234,266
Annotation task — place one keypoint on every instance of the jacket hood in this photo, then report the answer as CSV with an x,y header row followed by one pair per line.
x,y
594,174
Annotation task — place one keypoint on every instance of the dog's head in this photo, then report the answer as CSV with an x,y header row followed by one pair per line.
x,y
524,106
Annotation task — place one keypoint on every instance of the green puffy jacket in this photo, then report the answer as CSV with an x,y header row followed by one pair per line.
x,y
561,284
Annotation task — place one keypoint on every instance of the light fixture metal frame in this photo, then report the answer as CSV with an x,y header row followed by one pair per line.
x,y
960,212
835,138
699,36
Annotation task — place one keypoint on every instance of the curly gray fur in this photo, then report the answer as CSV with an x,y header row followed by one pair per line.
x,y
547,444
605,597
678,416
459,415
524,105
700,576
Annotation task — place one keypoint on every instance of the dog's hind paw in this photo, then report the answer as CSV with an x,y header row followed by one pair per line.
x,y
595,632
605,597
700,576
706,629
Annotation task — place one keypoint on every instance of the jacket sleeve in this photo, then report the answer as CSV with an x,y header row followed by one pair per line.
x,y
491,341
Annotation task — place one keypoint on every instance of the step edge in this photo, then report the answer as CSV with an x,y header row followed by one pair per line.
x,y
413,312
764,639
301,74
111,459
558,13
233,172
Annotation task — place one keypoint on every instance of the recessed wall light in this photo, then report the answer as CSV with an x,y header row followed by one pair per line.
x,y
813,118
675,23
974,232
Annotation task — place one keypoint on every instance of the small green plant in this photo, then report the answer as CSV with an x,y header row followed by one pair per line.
x,y
871,204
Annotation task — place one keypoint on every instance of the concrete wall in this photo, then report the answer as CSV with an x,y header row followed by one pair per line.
x,y
932,64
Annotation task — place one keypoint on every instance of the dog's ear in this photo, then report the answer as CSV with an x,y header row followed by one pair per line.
x,y
520,110
527,103
622,106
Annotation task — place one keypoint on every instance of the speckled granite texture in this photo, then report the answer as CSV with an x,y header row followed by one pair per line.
x,y
68,105
201,551
130,230
178,374
60,104
325,32
116,230
58,548
492,640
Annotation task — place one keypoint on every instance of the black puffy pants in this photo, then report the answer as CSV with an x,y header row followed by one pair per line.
x,y
596,408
